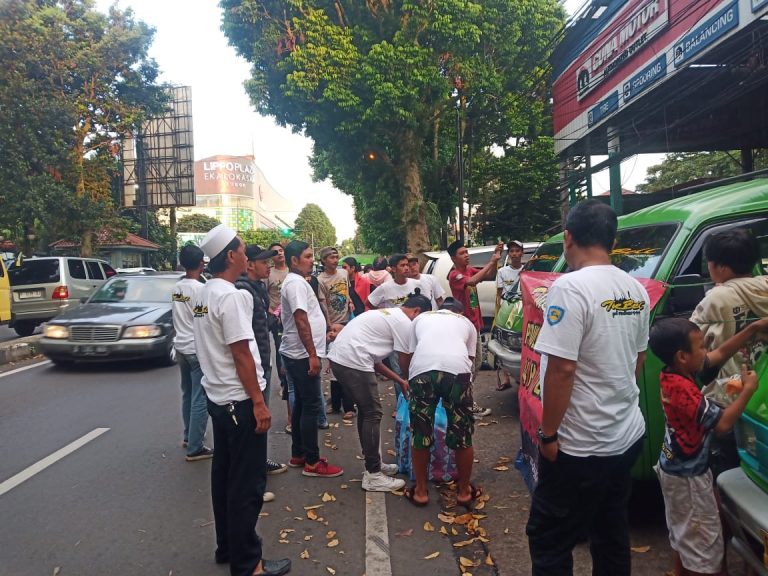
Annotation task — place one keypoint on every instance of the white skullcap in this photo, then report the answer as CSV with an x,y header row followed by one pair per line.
x,y
216,240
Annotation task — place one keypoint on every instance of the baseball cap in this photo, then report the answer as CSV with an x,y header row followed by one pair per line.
x,y
327,251
216,240
412,257
516,243
256,252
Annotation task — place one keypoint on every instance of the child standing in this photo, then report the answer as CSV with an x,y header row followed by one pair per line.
x,y
695,532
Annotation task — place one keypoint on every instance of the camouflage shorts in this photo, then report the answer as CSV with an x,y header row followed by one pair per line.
x,y
426,390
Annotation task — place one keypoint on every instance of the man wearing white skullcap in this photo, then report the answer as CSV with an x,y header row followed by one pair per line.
x,y
233,379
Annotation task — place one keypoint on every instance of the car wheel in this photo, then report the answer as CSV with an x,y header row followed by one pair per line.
x,y
169,359
24,328
487,360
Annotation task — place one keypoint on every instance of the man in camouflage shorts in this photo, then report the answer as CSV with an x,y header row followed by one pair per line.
x,y
442,348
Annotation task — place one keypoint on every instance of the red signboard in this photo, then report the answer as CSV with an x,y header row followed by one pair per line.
x,y
535,287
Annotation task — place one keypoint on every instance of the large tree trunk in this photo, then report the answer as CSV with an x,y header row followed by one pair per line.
x,y
414,210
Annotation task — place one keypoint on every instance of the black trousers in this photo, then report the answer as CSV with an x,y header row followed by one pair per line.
x,y
306,409
277,337
582,496
340,398
238,480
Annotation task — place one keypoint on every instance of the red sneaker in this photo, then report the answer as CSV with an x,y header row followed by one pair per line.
x,y
300,461
322,469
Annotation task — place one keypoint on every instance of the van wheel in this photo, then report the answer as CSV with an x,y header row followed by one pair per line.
x,y
487,361
24,328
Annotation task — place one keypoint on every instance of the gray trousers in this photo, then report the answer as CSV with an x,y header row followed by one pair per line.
x,y
363,389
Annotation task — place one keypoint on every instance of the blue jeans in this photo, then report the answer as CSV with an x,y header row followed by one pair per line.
x,y
193,402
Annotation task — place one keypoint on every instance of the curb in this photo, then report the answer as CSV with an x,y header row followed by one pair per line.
x,y
20,349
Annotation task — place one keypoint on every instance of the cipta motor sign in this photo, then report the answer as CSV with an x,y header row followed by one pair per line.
x,y
625,37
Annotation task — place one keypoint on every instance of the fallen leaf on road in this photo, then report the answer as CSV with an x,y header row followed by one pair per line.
x,y
57,571
311,514
408,532
344,486
463,519
263,514
501,468
428,527
288,509
488,560
504,459
333,543
465,561
330,534
398,492
304,555
315,507
307,538
431,556
479,505
464,543
359,458
391,453
443,530
506,530
284,541
328,497
448,519
640,549
454,531
330,570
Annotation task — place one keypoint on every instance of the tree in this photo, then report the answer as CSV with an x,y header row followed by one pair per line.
x,y
314,227
263,238
682,167
196,223
73,81
376,85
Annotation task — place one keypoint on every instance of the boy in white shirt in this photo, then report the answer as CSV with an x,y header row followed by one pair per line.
x,y
430,287
393,294
506,278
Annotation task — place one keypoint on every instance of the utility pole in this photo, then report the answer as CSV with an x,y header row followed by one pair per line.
x,y
460,169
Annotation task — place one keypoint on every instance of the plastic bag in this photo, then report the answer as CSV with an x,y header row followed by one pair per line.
x,y
403,436
723,391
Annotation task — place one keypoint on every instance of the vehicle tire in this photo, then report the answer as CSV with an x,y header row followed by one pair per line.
x,y
487,359
24,328
169,358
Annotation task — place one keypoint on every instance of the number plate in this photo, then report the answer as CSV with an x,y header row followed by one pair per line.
x,y
90,350
30,294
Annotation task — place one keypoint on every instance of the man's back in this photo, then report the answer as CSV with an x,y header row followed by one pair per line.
x,y
442,341
598,316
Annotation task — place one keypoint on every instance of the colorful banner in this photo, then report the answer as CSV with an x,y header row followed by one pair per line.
x,y
535,287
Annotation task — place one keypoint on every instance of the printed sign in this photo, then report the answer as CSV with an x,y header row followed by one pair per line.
x,y
622,41
604,108
643,79
535,287
757,4
707,33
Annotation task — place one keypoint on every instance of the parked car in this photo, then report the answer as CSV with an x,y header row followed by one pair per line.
x,y
505,344
439,264
128,318
136,270
43,287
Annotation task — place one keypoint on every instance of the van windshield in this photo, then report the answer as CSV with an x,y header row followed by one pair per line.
x,y
35,272
545,258
639,250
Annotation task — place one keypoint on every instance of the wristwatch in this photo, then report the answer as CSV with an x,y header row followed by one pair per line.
x,y
544,439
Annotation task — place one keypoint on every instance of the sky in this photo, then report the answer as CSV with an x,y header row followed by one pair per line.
x,y
191,50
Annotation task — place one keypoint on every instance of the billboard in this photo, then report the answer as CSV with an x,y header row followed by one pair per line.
x,y
638,47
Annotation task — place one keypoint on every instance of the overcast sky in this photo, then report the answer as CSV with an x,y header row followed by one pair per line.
x,y
191,50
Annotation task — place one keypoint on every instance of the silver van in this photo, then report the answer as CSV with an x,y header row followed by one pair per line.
x,y
43,287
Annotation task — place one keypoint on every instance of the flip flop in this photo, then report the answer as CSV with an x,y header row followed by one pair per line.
x,y
476,492
503,386
410,495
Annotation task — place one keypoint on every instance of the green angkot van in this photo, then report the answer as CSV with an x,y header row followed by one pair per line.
x,y
665,242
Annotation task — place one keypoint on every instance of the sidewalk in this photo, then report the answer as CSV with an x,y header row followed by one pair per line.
x,y
18,349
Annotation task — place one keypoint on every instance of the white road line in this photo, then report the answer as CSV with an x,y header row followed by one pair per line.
x,y
376,535
17,370
41,465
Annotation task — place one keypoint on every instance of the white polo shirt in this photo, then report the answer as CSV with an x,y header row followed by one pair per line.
x,y
430,287
392,294
185,294
297,294
222,316
442,341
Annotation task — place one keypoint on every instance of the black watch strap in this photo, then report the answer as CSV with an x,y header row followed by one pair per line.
x,y
544,439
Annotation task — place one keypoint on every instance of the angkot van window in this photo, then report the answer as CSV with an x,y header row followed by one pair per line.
x,y
35,272
545,258
638,251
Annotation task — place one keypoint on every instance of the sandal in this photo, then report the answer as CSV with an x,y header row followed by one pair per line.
x,y
410,495
475,493
503,386
349,415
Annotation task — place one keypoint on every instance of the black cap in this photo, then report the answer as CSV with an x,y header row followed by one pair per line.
x,y
454,246
256,252
450,303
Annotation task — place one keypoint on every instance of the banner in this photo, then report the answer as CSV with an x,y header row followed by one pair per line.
x,y
535,287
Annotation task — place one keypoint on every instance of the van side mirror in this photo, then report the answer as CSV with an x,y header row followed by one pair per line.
x,y
687,291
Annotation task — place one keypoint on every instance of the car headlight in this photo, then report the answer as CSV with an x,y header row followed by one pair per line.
x,y
149,331
56,331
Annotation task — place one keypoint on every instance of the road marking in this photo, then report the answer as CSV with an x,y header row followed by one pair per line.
x,y
376,535
17,370
41,465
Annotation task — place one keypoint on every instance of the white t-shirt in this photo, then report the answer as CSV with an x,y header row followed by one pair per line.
x,y
371,337
506,278
442,341
222,316
185,294
598,316
392,294
297,294
431,288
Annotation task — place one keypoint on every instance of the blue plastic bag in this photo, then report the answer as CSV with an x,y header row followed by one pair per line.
x,y
403,436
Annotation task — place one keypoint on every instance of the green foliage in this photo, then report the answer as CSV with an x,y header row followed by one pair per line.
x,y
73,81
196,223
157,232
314,227
263,237
375,85
682,167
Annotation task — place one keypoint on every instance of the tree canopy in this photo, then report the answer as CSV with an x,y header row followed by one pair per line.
x,y
73,81
196,223
313,226
377,86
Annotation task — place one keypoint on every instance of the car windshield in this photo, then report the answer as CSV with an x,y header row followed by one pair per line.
x,y
638,250
138,289
35,272
545,258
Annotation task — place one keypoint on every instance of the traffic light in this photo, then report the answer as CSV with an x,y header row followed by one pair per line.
x,y
286,232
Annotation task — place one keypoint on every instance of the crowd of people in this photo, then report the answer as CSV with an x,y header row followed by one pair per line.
x,y
396,323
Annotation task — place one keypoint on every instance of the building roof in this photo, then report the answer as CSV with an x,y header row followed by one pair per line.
x,y
106,239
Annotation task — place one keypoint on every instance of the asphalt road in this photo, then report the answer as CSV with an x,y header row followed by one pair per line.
x,y
127,503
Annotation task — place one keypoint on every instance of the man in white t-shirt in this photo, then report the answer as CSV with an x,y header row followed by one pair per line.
x,y
234,382
506,278
302,346
355,357
193,401
430,287
442,348
593,343
393,294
